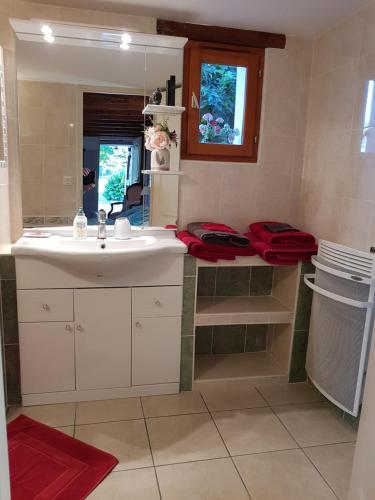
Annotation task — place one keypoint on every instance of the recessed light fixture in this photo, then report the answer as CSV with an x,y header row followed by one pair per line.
x,y
125,39
47,32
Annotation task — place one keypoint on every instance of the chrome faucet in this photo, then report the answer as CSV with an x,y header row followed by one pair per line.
x,y
102,228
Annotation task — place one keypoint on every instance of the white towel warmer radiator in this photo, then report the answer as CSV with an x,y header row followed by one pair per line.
x,y
341,323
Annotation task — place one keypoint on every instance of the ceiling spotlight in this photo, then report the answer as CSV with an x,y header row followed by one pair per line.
x,y
124,46
47,32
49,38
126,38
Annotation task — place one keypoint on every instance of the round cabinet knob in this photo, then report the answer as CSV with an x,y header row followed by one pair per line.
x,y
158,303
46,307
68,328
138,324
79,328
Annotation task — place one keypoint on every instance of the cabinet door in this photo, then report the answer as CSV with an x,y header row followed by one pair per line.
x,y
103,337
47,357
156,350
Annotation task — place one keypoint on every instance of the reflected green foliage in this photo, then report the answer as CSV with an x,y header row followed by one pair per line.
x,y
115,187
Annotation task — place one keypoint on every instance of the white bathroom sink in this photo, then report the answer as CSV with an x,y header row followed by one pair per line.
x,y
61,248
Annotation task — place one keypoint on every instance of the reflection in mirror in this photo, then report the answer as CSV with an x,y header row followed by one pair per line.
x,y
368,138
82,127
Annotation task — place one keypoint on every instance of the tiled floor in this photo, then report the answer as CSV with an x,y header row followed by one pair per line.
x,y
224,441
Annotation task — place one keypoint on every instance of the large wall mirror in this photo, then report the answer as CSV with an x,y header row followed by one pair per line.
x,y
81,93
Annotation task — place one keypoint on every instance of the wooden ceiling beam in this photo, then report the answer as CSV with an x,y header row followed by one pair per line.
x,y
219,34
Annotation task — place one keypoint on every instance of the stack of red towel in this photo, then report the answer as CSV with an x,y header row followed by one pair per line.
x,y
210,241
279,243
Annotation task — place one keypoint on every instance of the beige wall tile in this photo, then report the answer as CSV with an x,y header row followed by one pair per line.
x,y
339,46
32,198
338,177
32,158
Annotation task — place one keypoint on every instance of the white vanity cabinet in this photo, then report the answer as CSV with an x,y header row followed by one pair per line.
x,y
156,319
91,342
91,352
103,337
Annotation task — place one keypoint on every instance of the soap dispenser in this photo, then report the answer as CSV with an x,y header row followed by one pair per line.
x,y
80,225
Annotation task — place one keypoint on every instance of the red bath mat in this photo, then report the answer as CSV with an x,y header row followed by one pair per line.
x,y
47,464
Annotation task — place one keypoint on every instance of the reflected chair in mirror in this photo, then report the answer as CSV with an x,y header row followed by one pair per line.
x,y
132,198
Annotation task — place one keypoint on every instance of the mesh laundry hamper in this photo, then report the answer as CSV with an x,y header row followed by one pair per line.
x,y
341,323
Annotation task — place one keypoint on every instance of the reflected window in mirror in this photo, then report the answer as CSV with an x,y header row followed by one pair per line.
x,y
368,136
113,159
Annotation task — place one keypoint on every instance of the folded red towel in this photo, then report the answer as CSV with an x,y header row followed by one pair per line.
x,y
287,238
282,254
212,252
217,234
211,226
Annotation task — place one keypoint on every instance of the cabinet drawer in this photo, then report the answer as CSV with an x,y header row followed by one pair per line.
x,y
45,305
156,347
152,302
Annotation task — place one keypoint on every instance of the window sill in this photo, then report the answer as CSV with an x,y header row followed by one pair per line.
x,y
221,158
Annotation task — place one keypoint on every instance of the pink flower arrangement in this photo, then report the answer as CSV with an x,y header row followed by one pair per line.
x,y
216,131
159,137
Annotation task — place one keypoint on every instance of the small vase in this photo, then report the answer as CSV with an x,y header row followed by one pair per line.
x,y
160,159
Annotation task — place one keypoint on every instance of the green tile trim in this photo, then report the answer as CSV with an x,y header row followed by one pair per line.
x,y
228,339
261,280
307,268
56,221
304,302
256,338
30,221
7,267
12,374
351,420
187,354
233,281
188,306
203,339
206,281
297,371
9,311
190,265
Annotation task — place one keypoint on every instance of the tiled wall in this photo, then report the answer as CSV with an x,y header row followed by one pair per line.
x,y
9,329
232,281
240,193
338,198
297,371
226,339
48,138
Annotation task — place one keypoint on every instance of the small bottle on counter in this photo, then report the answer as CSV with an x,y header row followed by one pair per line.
x,y
80,225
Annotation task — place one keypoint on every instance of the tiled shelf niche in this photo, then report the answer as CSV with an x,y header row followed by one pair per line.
x,y
244,318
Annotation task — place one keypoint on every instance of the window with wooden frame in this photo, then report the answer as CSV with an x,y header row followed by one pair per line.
x,y
222,95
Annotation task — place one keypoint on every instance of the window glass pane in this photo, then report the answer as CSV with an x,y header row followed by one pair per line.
x,y
222,104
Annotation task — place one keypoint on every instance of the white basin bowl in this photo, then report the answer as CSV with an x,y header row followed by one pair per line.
x,y
93,255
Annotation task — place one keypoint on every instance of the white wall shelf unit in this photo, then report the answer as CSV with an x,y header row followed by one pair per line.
x,y
276,310
241,311
161,172
157,109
